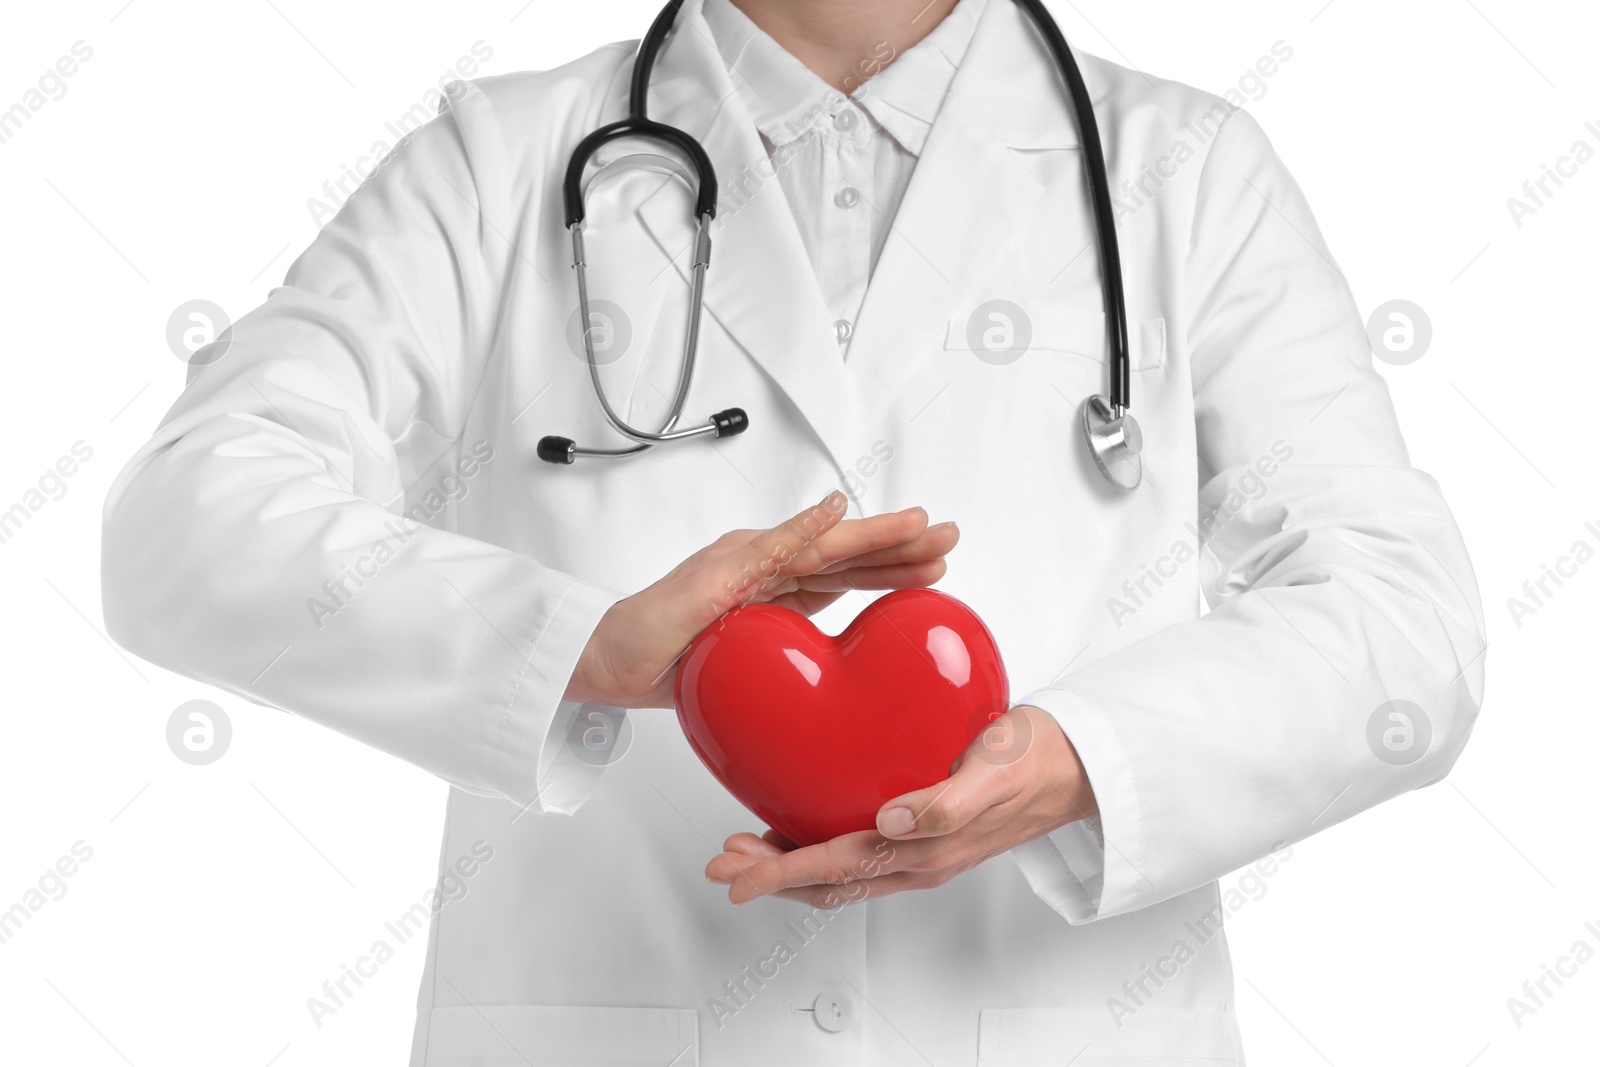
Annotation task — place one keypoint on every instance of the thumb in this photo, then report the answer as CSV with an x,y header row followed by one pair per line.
x,y
943,808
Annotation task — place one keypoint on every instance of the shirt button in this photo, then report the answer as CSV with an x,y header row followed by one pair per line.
x,y
846,197
842,330
844,121
835,1009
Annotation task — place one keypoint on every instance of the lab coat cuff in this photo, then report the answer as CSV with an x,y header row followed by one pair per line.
x,y
1089,869
552,750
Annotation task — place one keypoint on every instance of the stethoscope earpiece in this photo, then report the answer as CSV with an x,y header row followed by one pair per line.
x,y
1115,442
554,449
730,423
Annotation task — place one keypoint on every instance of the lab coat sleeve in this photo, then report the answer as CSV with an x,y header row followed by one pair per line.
x,y
258,542
1336,578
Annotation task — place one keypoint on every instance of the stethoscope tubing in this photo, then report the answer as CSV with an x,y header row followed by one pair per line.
x,y
691,344
1100,197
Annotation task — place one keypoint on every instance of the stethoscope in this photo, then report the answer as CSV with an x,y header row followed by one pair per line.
x,y
1109,429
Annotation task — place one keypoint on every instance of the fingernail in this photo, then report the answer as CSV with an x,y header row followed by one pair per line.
x,y
944,526
896,821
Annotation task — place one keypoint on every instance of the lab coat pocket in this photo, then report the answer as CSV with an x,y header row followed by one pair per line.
x,y
1090,1037
557,1036
1001,332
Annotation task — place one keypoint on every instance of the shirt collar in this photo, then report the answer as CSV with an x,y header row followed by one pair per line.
x,y
787,99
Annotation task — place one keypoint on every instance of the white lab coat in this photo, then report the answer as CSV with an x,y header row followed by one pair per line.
x,y
427,328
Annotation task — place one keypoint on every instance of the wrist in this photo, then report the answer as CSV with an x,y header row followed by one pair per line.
x,y
587,684
579,690
1067,777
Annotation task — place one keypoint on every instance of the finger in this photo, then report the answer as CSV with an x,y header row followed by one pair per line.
x,y
818,538
836,862
923,863
931,543
856,537
750,572
832,897
739,851
769,551
751,845
806,601
769,844
894,576
772,837
724,867
941,809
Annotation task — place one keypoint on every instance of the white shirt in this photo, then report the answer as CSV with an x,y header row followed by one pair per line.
x,y
843,163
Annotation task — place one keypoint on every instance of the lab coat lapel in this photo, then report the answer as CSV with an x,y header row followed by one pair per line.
x,y
969,198
760,286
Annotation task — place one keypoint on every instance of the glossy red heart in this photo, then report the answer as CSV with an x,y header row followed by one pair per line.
x,y
814,733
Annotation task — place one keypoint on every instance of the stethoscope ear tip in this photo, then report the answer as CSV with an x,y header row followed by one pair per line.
x,y
556,449
730,422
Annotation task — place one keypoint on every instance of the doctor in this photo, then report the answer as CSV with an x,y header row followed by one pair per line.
x,y
345,517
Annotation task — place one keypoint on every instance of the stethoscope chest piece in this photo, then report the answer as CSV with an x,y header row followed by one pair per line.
x,y
1115,443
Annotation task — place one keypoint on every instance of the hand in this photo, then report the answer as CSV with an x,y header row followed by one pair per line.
x,y
1021,778
805,564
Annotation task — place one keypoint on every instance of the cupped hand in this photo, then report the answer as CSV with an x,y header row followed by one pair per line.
x,y
805,564
1021,778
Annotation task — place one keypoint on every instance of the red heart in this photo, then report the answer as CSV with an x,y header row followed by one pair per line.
x,y
814,733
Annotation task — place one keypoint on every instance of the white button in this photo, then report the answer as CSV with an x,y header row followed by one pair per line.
x,y
835,1009
842,330
846,197
844,121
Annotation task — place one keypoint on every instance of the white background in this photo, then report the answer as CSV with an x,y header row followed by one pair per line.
x,y
218,899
